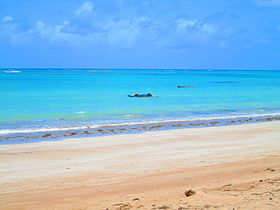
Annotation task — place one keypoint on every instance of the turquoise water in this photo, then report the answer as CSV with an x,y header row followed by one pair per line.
x,y
34,99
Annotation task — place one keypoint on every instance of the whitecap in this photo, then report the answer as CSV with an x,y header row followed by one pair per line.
x,y
12,71
80,112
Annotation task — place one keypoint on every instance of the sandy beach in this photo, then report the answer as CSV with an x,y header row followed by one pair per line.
x,y
228,167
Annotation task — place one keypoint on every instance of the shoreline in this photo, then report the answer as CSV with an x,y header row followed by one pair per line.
x,y
128,128
228,167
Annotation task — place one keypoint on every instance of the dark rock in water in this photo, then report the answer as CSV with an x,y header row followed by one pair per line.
x,y
142,95
178,125
70,134
30,137
185,86
189,193
195,124
46,135
86,132
204,123
156,127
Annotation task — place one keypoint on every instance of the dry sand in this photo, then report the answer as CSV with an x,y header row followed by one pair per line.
x,y
229,167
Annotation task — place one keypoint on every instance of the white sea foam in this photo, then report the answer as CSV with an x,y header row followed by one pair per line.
x,y
12,71
34,130
49,129
80,112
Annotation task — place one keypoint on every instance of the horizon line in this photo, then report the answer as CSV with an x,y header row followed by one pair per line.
x,y
139,68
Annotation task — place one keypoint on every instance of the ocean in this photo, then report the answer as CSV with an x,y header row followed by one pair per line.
x,y
42,101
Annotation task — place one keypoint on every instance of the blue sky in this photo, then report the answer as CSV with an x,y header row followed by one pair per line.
x,y
211,34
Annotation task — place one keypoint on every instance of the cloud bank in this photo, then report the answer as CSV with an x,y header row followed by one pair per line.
x,y
120,24
90,26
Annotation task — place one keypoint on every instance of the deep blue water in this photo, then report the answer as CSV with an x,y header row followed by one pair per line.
x,y
34,99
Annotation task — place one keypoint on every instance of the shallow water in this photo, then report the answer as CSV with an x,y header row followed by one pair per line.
x,y
52,99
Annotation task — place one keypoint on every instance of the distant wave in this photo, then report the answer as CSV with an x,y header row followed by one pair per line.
x,y
80,112
12,71
49,129
100,71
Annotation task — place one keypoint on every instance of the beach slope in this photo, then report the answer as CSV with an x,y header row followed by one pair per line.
x,y
227,167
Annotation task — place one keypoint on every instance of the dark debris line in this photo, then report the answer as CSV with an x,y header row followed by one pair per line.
x,y
136,128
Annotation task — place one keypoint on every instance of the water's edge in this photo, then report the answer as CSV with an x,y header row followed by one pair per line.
x,y
87,131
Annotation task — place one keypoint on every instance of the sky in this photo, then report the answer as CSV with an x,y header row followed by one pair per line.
x,y
188,34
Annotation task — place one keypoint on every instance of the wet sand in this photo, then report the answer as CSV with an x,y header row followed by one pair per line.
x,y
227,167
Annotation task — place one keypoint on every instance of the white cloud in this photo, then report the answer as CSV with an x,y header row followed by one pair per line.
x,y
103,32
209,28
268,3
229,31
196,26
121,33
85,8
54,34
7,19
183,24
